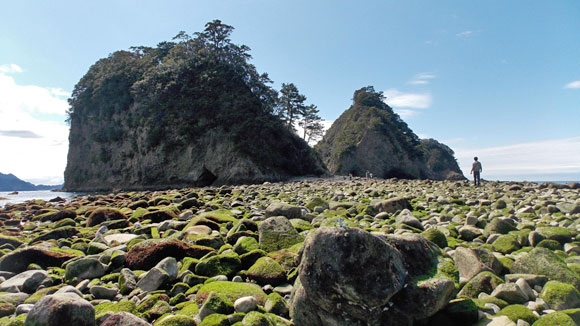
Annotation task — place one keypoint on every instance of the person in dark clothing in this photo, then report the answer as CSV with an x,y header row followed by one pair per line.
x,y
476,171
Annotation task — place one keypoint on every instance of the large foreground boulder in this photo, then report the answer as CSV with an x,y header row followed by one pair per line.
x,y
351,277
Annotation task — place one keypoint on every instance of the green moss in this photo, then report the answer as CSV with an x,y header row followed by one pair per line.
x,y
267,270
317,201
557,233
34,298
553,319
189,309
573,313
73,252
301,225
435,236
506,244
233,290
496,301
114,307
215,320
245,245
113,277
483,282
176,320
518,311
224,264
254,318
560,295
150,302
550,244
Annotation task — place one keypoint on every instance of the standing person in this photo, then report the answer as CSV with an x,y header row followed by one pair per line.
x,y
476,170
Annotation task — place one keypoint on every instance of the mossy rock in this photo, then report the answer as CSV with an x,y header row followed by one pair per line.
x,y
36,296
301,225
232,290
506,244
316,201
542,261
189,309
215,320
500,226
254,318
217,303
276,304
246,244
277,233
573,313
150,302
114,307
560,296
159,309
461,309
555,319
496,301
224,264
560,234
176,320
287,258
550,244
484,282
435,236
267,271
518,311
220,216
6,309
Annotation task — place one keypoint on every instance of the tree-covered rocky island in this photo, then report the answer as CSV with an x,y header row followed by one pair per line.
x,y
193,111
371,136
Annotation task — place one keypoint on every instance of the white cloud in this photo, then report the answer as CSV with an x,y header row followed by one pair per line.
x,y
464,34
405,114
553,158
573,85
422,78
10,68
33,148
399,99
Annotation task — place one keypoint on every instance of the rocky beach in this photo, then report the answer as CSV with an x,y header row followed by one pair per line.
x,y
312,252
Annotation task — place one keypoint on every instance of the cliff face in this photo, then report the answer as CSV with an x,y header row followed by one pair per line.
x,y
370,136
182,114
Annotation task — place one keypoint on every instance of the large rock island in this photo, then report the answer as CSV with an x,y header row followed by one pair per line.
x,y
371,136
192,112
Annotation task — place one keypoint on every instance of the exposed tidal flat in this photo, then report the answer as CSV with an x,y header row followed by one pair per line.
x,y
312,252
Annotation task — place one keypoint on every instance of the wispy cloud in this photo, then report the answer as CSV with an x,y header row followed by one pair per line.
x,y
531,161
423,78
464,34
27,138
573,85
19,133
10,68
398,99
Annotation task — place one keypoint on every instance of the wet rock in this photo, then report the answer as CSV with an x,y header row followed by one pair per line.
x,y
24,282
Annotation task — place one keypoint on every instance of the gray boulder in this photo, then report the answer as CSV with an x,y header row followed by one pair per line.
x,y
407,218
24,282
283,209
392,205
85,268
61,309
471,262
346,276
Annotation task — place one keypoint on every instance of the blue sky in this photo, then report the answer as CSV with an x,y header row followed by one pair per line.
x,y
497,79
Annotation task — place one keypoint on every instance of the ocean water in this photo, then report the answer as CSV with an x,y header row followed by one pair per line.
x,y
22,196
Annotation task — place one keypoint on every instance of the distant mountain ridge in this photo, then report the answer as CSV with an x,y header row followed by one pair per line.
x,y
10,182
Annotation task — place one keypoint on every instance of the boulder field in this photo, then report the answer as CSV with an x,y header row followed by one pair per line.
x,y
310,252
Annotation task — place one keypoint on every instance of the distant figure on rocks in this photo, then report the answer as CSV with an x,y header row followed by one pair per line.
x,y
476,170
367,174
